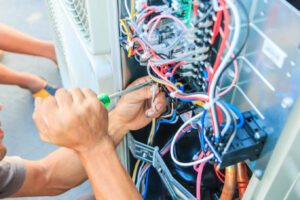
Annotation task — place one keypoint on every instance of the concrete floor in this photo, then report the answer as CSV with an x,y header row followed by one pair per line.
x,y
21,136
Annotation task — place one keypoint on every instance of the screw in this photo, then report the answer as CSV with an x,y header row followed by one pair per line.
x,y
144,155
258,173
287,102
293,63
257,135
159,169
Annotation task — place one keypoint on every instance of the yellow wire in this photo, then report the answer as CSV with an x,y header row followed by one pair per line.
x,y
153,130
134,170
128,35
199,103
132,9
178,83
172,86
137,12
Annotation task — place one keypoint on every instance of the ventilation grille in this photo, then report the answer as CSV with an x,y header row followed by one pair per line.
x,y
57,34
78,11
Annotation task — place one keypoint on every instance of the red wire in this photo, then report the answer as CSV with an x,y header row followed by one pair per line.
x,y
195,7
222,47
217,26
218,175
226,33
174,69
220,115
145,6
146,15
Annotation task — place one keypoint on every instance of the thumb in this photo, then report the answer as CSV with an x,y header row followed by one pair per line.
x,y
38,119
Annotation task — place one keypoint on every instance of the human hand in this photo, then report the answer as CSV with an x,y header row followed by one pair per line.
x,y
2,147
75,119
134,110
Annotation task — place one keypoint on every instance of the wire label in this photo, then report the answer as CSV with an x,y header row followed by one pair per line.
x,y
274,53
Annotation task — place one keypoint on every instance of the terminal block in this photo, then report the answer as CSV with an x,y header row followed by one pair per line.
x,y
247,143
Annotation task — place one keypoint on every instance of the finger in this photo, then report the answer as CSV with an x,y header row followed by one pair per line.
x,y
38,119
89,93
159,106
63,98
77,95
143,94
160,103
49,112
0,106
140,81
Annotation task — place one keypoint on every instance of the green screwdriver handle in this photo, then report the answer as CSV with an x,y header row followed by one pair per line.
x,y
104,98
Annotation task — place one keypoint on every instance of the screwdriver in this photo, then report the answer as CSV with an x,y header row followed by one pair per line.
x,y
105,98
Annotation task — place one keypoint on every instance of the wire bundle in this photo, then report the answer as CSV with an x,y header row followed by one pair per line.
x,y
165,52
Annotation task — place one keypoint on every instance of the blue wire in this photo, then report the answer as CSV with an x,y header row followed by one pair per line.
x,y
238,113
146,186
188,100
202,130
165,121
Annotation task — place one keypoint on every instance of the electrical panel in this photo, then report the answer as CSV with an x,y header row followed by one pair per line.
x,y
207,56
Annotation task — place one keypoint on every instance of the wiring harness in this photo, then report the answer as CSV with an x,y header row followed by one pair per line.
x,y
182,44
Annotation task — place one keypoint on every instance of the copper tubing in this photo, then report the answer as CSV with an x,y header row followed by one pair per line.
x,y
242,178
230,182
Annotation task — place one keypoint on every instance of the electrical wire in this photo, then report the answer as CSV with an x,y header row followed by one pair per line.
x,y
173,146
134,170
146,186
128,36
223,65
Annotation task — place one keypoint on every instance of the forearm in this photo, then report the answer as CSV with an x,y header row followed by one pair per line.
x,y
53,175
107,176
116,130
62,169
18,42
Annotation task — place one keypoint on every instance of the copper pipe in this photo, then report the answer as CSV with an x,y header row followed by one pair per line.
x,y
230,182
242,178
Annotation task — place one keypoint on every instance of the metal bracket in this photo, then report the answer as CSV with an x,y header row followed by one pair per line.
x,y
151,155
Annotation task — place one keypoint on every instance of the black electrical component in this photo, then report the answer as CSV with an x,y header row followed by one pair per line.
x,y
247,143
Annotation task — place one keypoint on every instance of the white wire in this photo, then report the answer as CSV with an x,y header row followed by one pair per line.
x,y
224,61
173,146
228,118
126,7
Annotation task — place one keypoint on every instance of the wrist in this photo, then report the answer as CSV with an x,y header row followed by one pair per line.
x,y
104,147
116,128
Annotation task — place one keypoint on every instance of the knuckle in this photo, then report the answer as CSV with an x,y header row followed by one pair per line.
x,y
74,89
87,90
60,92
47,101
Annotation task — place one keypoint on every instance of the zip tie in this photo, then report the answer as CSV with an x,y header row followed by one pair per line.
x,y
207,105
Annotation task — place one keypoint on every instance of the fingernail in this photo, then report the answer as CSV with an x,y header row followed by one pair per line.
x,y
158,107
154,87
149,113
151,89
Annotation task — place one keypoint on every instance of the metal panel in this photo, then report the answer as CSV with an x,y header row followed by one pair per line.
x,y
269,76
281,177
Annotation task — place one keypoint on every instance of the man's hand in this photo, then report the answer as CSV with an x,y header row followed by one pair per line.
x,y
134,110
75,119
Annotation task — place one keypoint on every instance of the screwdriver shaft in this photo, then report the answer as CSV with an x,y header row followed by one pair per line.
x,y
121,93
